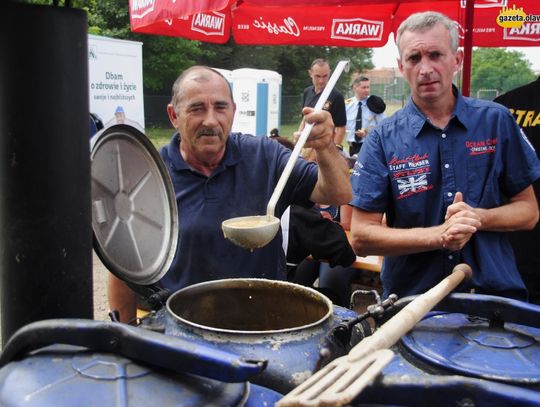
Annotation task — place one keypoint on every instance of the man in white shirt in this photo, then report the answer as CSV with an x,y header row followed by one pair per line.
x,y
360,122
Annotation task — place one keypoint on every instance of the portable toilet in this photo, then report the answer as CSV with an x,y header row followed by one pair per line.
x,y
274,98
250,94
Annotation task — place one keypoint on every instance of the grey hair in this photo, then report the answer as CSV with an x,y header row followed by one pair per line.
x,y
204,75
421,22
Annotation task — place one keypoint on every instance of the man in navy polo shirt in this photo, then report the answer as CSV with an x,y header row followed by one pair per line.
x,y
319,72
452,174
219,175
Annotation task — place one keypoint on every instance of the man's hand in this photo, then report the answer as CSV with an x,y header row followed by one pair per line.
x,y
361,133
322,134
326,215
461,222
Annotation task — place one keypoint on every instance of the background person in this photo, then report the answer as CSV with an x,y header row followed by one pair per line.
x,y
319,72
218,175
307,232
274,135
334,277
524,104
363,113
452,174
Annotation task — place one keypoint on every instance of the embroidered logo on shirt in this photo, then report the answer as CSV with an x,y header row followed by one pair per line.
x,y
411,174
487,146
412,184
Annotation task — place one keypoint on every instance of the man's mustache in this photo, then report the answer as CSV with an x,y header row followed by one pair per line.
x,y
208,132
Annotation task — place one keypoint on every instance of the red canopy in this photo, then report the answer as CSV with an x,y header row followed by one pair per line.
x,y
345,23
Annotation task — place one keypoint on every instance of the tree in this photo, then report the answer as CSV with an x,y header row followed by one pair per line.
x,y
499,69
292,62
163,57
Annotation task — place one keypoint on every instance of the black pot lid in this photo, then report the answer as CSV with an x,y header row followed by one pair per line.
x,y
471,347
134,213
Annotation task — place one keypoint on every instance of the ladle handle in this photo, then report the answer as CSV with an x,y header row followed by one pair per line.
x,y
270,209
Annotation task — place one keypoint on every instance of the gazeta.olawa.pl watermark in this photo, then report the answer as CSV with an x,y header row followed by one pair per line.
x,y
515,17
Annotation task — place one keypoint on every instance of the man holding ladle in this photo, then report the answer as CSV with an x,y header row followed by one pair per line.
x,y
219,175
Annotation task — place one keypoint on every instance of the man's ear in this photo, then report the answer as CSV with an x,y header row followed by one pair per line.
x,y
459,59
172,114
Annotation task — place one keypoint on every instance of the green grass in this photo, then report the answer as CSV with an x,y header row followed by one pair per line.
x,y
159,136
287,130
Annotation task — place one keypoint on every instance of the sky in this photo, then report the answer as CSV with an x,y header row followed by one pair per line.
x,y
385,57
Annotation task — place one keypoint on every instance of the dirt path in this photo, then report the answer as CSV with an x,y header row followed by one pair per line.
x,y
101,306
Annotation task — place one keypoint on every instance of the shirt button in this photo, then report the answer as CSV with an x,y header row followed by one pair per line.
x,y
450,256
446,165
443,135
449,194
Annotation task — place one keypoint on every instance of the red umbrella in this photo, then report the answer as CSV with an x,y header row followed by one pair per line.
x,y
349,23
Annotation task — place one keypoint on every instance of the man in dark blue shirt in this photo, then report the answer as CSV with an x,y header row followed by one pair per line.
x,y
217,175
319,72
452,174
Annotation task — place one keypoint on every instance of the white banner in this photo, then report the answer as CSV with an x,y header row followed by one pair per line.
x,y
116,80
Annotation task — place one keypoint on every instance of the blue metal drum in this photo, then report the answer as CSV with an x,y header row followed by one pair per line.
x,y
284,323
68,375
473,350
75,377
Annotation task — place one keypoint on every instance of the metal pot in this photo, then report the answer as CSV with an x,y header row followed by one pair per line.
x,y
286,324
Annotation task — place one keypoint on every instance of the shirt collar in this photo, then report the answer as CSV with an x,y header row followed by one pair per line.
x,y
232,153
418,119
460,110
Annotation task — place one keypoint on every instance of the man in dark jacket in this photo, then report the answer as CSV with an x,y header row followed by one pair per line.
x,y
319,73
524,104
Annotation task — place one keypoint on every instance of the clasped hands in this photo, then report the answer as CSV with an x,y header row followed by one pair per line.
x,y
460,223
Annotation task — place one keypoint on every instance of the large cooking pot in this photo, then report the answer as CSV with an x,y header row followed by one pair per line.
x,y
107,364
472,350
288,325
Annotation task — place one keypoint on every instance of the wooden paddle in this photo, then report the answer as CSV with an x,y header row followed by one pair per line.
x,y
339,382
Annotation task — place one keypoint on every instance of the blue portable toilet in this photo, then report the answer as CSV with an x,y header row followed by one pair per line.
x,y
253,91
274,81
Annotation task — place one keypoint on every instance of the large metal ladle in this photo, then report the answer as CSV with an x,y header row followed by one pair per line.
x,y
252,232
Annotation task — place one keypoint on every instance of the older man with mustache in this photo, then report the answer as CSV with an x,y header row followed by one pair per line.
x,y
219,175
452,174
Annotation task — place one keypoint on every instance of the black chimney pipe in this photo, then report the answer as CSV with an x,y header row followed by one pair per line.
x,y
45,214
